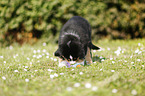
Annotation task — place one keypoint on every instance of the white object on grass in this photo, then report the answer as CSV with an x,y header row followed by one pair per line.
x,y
62,64
71,64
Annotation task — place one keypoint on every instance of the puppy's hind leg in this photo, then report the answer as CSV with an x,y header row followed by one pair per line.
x,y
88,57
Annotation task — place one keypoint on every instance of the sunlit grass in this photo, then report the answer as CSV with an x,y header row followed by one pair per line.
x,y
118,69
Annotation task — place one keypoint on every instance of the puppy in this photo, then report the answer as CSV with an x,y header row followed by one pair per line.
x,y
75,41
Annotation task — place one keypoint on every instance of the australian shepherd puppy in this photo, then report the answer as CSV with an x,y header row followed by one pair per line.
x,y
75,41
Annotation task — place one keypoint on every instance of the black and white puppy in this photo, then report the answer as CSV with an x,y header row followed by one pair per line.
x,y
75,40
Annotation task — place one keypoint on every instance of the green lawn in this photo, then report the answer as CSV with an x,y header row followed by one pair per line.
x,y
118,70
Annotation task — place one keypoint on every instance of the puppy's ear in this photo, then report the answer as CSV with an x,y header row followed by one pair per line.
x,y
57,53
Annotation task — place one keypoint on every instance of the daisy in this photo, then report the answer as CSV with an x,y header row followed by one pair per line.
x,y
76,84
50,70
101,69
134,92
69,88
16,71
44,44
56,75
44,50
47,56
34,51
81,73
94,88
51,76
28,58
112,70
1,57
88,85
137,50
114,91
113,62
4,78
38,51
26,80
61,73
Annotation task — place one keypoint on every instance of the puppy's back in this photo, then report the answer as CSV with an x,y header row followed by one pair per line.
x,y
77,26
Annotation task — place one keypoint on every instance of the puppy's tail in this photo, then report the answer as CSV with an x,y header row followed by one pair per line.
x,y
95,47
92,46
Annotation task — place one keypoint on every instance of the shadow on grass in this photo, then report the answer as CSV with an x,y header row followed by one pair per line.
x,y
98,59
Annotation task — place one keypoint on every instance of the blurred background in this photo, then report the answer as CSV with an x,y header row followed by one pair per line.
x,y
27,21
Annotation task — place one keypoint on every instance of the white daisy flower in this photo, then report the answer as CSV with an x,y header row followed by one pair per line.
x,y
4,61
138,60
44,50
61,73
72,69
38,51
81,73
94,51
25,69
76,84
88,85
50,70
69,88
1,57
94,88
4,78
111,58
108,48
51,76
47,53
17,54
26,66
26,80
114,91
44,44
134,92
112,70
117,52
130,56
125,61
56,75
55,59
11,47
34,56
47,56
137,50
14,56
28,58
113,62
16,71
34,51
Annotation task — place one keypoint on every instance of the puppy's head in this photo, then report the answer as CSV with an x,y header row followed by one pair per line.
x,y
71,48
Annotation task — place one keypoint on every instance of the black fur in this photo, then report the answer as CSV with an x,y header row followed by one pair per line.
x,y
75,37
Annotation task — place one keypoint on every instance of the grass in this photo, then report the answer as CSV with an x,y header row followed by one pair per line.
x,y
33,71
